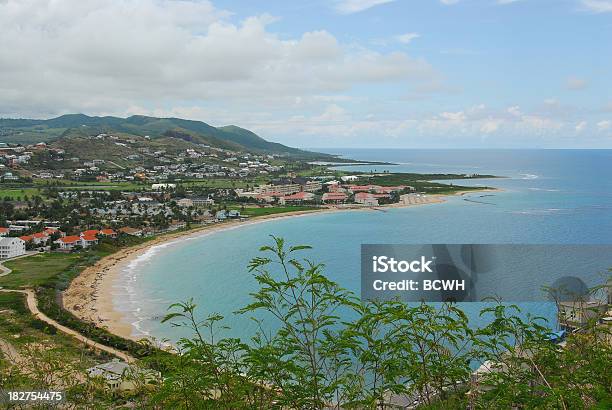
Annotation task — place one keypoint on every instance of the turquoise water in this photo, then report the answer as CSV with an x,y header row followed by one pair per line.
x,y
548,197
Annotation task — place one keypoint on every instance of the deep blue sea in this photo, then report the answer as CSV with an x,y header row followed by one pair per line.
x,y
548,197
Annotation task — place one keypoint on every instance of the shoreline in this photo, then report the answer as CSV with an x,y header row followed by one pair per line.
x,y
90,296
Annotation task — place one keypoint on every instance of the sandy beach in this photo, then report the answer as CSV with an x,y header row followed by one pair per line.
x,y
90,295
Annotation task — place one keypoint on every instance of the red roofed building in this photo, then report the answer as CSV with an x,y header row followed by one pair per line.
x,y
334,197
51,231
269,197
26,238
90,232
69,242
87,239
108,232
40,238
297,197
366,198
4,231
389,189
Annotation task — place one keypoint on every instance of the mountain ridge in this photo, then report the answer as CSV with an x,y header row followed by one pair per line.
x,y
23,130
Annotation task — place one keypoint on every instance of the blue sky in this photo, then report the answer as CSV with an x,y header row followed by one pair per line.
x,y
324,73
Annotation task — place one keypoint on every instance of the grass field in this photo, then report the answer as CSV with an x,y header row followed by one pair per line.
x,y
20,193
273,210
37,270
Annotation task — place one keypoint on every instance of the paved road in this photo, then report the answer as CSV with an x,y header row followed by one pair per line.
x,y
33,306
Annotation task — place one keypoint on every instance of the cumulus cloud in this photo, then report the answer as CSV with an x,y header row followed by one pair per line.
x,y
102,57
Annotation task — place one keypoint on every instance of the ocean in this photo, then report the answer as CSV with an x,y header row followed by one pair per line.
x,y
548,197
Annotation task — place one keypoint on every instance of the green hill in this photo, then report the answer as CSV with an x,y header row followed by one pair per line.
x,y
26,131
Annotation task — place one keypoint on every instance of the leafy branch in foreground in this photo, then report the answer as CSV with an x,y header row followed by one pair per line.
x,y
317,346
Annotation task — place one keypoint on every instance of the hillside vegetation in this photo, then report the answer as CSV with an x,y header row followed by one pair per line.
x,y
231,137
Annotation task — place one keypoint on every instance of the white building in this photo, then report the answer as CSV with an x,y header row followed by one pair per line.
x,y
11,247
122,376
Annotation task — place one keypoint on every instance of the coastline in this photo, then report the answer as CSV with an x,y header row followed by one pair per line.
x,y
90,295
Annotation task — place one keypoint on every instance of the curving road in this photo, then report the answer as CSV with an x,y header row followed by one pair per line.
x,y
33,307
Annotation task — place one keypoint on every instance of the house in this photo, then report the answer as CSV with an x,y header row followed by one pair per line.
x,y
4,231
68,243
123,376
90,232
40,238
108,232
334,197
221,215
131,231
11,247
52,231
26,238
88,239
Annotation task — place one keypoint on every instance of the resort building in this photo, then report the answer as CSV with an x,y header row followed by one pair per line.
x,y
290,186
366,198
195,202
11,247
334,197
283,189
298,197
4,231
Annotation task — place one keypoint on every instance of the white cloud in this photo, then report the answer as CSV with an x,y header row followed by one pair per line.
x,y
355,6
581,126
407,37
597,6
102,57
